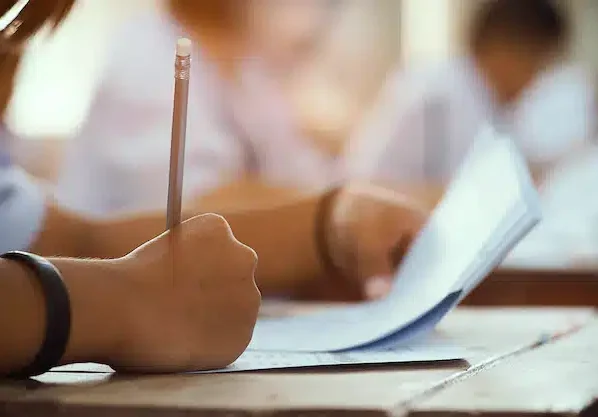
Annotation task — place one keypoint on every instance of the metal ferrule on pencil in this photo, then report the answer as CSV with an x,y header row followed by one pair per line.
x,y
182,66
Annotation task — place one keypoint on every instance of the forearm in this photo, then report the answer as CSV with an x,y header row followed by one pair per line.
x,y
283,238
98,302
21,317
69,234
282,235
426,194
246,194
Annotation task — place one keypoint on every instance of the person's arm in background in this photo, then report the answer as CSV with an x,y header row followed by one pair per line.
x,y
282,236
372,221
246,193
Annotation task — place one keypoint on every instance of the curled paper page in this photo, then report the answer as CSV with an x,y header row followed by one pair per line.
x,y
490,205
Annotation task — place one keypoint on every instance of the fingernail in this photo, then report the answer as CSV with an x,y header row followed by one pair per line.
x,y
377,287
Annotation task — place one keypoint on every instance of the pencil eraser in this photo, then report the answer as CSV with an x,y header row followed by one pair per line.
x,y
183,47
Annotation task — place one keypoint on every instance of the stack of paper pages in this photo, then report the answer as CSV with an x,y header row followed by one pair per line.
x,y
488,208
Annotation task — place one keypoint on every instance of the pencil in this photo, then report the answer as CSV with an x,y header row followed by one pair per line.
x,y
179,131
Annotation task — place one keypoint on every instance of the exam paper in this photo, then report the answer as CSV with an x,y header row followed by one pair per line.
x,y
431,350
260,361
490,205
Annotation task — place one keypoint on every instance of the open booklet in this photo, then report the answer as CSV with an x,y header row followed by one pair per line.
x,y
490,205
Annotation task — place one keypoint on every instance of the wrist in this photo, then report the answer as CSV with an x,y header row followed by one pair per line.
x,y
325,235
22,316
99,291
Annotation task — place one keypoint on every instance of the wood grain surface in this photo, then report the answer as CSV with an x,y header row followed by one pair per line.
x,y
550,287
509,375
559,378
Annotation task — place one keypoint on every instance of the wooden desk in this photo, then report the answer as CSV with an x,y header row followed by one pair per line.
x,y
506,287
538,287
509,376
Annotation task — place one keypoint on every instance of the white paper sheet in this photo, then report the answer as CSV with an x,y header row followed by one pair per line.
x,y
488,208
263,360
430,350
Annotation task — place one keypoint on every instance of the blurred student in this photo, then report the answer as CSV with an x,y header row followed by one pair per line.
x,y
244,144
568,237
345,219
133,294
511,78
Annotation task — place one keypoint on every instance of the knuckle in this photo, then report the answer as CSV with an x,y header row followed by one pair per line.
x,y
248,297
246,258
216,225
216,220
248,308
256,300
250,255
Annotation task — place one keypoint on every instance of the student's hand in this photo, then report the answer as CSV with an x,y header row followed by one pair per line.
x,y
370,229
193,299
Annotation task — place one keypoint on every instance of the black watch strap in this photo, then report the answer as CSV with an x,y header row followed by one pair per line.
x,y
58,314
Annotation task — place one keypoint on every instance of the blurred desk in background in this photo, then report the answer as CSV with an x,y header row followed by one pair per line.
x,y
563,287
538,287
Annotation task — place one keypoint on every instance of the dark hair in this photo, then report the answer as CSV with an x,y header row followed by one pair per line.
x,y
31,16
539,21
35,14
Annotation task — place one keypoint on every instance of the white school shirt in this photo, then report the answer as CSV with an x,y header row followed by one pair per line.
x,y
119,160
428,118
568,236
21,202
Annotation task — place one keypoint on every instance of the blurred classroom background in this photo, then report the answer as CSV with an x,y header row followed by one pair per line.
x,y
366,41
330,93
67,66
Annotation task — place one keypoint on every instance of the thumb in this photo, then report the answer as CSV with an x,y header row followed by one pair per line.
x,y
379,271
377,287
